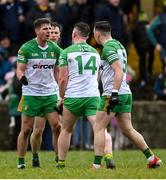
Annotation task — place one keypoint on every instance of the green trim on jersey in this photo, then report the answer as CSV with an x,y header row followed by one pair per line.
x,y
78,47
82,106
109,52
40,67
125,105
31,50
82,62
113,51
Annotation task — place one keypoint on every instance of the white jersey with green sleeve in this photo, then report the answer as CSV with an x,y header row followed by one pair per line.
x,y
40,66
83,63
113,51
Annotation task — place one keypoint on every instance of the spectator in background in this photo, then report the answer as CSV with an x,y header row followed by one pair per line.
x,y
5,67
65,16
157,35
110,11
27,5
84,11
127,5
144,48
14,96
11,18
71,12
40,10
160,86
10,50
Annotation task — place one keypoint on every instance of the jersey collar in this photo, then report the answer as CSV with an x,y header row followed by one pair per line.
x,y
42,48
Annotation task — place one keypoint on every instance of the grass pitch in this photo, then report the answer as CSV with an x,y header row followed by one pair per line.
x,y
130,164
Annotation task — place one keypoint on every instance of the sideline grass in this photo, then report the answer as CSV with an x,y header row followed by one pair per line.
x,y
130,164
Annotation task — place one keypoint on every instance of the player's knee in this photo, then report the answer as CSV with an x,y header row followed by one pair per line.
x,y
37,132
56,128
27,132
97,127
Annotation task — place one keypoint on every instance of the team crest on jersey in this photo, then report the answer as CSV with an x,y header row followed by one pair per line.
x,y
35,54
52,54
44,54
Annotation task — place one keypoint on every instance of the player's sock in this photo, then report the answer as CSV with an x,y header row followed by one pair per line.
x,y
56,158
61,164
35,160
108,156
97,160
109,161
148,153
21,161
35,156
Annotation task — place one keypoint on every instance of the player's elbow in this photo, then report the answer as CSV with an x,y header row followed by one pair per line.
x,y
62,80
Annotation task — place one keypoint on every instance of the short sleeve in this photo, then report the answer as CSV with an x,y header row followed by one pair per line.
x,y
110,55
63,59
22,55
58,52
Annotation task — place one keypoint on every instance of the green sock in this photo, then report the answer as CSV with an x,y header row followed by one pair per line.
x,y
148,153
21,161
61,163
56,158
35,156
97,160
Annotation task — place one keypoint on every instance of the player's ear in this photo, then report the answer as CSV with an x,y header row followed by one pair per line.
x,y
36,30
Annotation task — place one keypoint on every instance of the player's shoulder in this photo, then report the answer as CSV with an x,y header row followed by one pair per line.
x,y
53,44
92,49
70,49
29,44
112,45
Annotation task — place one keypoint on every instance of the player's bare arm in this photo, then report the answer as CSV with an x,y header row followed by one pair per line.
x,y
63,80
20,70
117,67
56,73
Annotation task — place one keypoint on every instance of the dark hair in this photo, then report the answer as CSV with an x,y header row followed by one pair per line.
x,y
83,29
3,35
40,21
103,27
55,24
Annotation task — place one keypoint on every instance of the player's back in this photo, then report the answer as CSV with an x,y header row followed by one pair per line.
x,y
83,64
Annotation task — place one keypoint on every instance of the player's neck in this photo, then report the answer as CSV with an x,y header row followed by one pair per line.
x,y
41,42
106,39
79,40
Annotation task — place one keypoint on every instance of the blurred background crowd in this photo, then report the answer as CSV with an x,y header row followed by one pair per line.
x,y
139,25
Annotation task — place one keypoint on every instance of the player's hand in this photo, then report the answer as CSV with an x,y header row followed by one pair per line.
x,y
114,100
24,80
59,109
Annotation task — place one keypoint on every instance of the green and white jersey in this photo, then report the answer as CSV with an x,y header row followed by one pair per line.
x,y
113,51
83,63
40,63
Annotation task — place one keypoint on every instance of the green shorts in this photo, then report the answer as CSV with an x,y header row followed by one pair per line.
x,y
82,106
124,106
37,105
